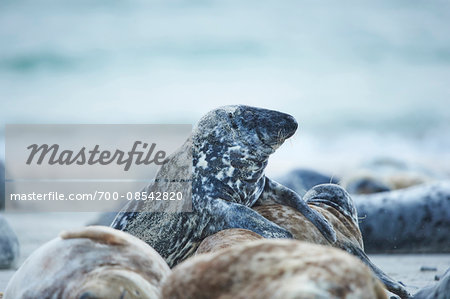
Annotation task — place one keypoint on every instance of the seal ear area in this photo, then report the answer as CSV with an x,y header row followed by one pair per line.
x,y
334,196
99,234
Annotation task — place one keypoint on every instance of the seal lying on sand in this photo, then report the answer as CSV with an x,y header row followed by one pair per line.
x,y
9,245
230,150
2,186
92,262
273,269
335,204
416,219
302,179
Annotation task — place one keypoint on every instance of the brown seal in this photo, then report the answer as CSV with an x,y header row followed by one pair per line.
x,y
273,269
92,262
336,205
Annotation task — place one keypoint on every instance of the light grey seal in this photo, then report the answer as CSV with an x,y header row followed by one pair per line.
x,y
231,146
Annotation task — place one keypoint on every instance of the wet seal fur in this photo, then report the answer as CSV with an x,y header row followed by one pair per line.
x,y
273,269
336,205
92,262
230,150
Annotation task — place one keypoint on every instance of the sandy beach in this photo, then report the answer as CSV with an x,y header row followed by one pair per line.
x,y
34,230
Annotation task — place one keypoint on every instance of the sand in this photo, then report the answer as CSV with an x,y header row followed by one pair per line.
x,y
34,229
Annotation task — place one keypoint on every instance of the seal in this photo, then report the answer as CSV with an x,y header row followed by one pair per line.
x,y
230,150
302,179
410,220
415,219
386,174
91,262
365,184
9,245
440,290
336,205
2,186
273,269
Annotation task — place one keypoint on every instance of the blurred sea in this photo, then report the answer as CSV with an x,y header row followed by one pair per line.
x,y
364,79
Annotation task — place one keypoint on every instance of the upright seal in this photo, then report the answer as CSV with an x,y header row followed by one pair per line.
x,y
231,146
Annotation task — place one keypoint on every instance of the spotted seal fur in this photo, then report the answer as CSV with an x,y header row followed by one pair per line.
x,y
230,150
273,269
336,205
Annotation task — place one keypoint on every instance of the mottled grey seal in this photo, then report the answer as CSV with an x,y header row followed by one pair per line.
x,y
9,245
415,219
335,204
230,150
273,269
92,262
440,290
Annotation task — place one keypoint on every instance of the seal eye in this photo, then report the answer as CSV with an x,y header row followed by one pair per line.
x,y
230,115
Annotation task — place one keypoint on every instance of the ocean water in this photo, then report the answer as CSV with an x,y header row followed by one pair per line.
x,y
364,79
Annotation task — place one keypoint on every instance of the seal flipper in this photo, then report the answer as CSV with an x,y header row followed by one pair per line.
x,y
274,191
100,234
390,284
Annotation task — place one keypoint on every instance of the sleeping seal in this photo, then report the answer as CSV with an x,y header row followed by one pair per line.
x,y
273,269
336,205
231,146
92,262
415,219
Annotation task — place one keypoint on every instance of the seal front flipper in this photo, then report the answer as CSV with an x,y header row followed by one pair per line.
x,y
232,215
274,191
390,284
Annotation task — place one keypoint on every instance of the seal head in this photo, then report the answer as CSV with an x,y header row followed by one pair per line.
x,y
334,196
231,148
